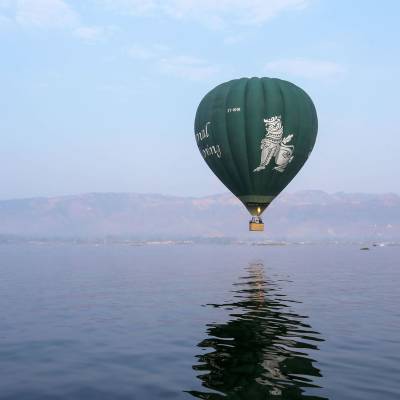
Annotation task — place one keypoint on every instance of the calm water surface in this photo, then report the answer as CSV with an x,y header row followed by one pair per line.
x,y
194,321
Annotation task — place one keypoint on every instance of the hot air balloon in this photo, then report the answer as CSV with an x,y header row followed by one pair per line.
x,y
255,134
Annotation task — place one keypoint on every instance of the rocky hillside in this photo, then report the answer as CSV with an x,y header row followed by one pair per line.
x,y
305,215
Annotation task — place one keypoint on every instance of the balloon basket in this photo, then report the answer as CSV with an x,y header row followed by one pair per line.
x,y
256,225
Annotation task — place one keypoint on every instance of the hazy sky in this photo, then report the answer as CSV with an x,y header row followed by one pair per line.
x,y
100,95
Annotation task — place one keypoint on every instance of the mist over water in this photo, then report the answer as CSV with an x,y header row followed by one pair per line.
x,y
199,321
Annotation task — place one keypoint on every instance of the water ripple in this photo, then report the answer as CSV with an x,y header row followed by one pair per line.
x,y
261,352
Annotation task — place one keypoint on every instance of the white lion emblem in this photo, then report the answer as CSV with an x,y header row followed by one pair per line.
x,y
274,145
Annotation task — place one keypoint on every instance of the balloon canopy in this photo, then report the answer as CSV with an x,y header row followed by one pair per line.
x,y
255,134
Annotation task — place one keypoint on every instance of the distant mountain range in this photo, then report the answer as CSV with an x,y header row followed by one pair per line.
x,y
304,215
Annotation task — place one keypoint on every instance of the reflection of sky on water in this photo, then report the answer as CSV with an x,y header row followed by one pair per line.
x,y
261,352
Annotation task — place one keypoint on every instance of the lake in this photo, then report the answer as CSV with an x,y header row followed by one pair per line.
x,y
199,321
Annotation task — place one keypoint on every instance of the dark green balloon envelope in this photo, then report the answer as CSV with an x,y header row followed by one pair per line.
x,y
255,134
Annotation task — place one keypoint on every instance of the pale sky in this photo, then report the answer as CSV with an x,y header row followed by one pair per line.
x,y
100,95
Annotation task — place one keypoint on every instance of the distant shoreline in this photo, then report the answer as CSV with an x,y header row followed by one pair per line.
x,y
188,242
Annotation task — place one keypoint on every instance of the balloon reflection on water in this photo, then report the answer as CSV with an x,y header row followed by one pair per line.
x,y
261,352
